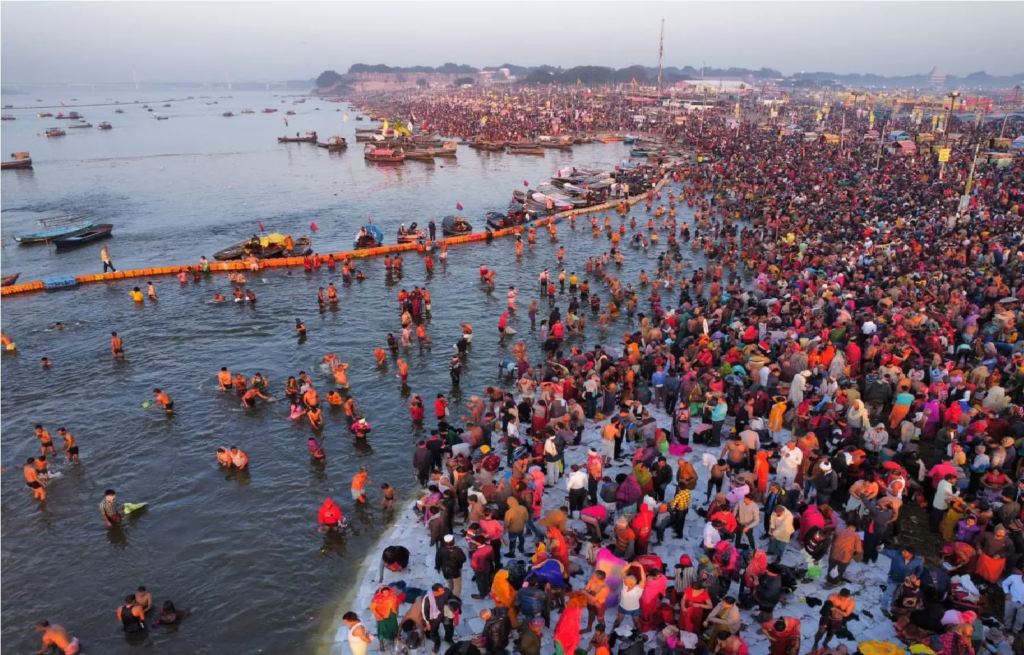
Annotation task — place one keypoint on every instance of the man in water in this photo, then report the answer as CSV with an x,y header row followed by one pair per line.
x,y
164,400
45,441
249,399
55,636
70,445
115,346
239,459
224,377
359,482
33,481
300,328
131,616
108,510
144,599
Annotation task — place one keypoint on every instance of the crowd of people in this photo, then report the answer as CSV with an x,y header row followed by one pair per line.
x,y
850,349
870,361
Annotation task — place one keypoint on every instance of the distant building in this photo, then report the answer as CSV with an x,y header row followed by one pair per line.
x,y
936,78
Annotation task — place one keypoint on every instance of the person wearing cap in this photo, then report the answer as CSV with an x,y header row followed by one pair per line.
x,y
448,561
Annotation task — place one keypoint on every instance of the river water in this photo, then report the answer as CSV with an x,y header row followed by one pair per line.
x,y
240,550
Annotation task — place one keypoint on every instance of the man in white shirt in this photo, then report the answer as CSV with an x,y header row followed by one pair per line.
x,y
1013,612
576,484
868,328
711,536
789,464
941,501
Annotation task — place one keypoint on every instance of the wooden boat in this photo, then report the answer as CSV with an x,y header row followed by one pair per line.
x,y
642,152
369,236
7,117
268,110
558,145
248,111
18,160
300,247
366,130
55,131
311,138
334,143
71,115
100,231
58,232
228,114
453,226
489,146
105,126
411,235
79,125
118,111
159,118
289,113
419,155
44,114
383,156
519,150
8,280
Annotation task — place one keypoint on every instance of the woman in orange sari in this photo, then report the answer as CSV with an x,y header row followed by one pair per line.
x,y
504,595
761,470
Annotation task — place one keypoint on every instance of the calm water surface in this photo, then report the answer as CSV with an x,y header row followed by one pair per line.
x,y
240,550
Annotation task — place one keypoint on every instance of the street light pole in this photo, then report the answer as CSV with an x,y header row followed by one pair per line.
x,y
953,95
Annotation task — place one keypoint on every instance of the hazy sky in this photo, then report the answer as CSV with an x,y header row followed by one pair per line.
x,y
192,41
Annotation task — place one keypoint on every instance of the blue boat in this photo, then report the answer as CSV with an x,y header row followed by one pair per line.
x,y
101,231
59,232
370,236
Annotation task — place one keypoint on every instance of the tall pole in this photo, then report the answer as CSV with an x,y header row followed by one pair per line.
x,y
661,52
135,77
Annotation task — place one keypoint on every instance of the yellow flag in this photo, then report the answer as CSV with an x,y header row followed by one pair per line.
x,y
634,82
385,125
944,154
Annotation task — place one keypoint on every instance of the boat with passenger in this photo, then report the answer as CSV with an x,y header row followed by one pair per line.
x,y
18,160
267,247
369,236
455,226
309,138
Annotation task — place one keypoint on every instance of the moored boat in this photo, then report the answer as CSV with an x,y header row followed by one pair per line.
x,y
59,231
412,234
369,236
383,156
228,114
289,113
99,231
159,118
419,155
309,138
268,110
334,143
8,280
74,115
269,247
18,160
7,117
452,226
521,150
118,111
73,126
55,131
105,126
248,111
44,114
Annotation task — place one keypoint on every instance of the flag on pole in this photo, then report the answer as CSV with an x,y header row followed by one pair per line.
x,y
633,82
458,206
313,226
286,122
260,223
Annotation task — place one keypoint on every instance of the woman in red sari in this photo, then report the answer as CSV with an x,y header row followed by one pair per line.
x,y
761,470
696,603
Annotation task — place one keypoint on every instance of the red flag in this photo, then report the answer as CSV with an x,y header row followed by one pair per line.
x,y
313,226
458,206
368,219
260,223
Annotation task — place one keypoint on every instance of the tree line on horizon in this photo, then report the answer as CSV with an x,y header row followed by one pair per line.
x,y
601,75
